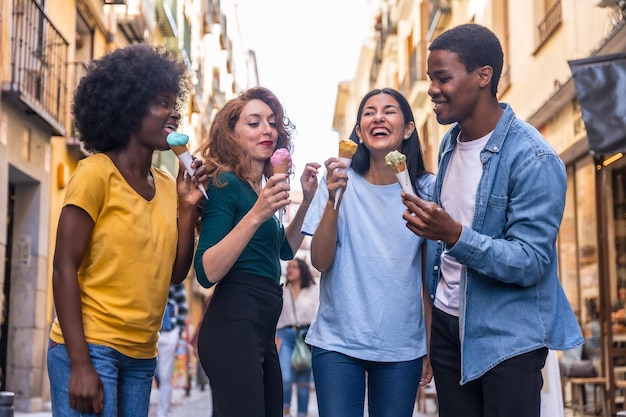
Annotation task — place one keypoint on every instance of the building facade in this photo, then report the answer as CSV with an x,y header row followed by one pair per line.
x,y
540,38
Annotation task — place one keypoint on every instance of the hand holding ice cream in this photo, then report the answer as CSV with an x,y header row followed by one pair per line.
x,y
178,143
397,162
347,149
281,163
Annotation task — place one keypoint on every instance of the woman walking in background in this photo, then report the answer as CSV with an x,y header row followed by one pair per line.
x,y
300,300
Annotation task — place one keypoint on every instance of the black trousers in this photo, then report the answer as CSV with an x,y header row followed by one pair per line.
x,y
510,389
237,350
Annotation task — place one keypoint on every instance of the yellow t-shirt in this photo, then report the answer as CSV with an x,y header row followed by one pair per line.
x,y
125,275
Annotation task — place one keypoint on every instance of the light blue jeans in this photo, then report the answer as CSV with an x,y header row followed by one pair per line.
x,y
127,381
341,381
302,379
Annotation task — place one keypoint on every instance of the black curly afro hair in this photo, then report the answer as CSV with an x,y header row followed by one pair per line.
x,y
113,97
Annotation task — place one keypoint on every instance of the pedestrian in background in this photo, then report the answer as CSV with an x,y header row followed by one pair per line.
x,y
240,247
300,300
125,233
369,331
498,204
174,323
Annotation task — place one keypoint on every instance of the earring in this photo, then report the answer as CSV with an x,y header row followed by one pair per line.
x,y
406,137
360,140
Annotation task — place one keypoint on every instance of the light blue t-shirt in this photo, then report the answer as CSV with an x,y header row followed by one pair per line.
x,y
370,298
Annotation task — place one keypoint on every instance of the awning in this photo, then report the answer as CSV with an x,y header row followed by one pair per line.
x,y
601,89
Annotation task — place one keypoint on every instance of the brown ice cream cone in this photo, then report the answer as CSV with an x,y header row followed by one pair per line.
x,y
282,168
347,148
399,167
179,149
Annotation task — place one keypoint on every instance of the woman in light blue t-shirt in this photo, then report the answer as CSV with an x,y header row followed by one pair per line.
x,y
370,326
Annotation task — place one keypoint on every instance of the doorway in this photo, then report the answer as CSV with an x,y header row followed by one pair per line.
x,y
6,288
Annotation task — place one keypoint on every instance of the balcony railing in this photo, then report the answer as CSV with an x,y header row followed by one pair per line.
x,y
550,22
76,71
167,17
38,72
136,18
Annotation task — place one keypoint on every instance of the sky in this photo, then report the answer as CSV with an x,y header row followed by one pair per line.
x,y
304,49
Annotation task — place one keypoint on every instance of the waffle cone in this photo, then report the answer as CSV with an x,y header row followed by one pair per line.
x,y
399,167
282,168
347,148
179,149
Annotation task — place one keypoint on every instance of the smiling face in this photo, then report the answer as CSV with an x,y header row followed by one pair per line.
x,y
256,130
382,127
160,120
454,91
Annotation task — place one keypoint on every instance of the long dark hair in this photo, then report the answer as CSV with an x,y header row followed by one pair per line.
x,y
306,278
410,147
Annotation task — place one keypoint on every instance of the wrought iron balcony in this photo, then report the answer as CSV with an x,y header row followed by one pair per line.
x,y
38,71
550,22
136,18
166,13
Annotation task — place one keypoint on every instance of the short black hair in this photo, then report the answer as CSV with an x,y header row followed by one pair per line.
x,y
411,147
113,97
476,47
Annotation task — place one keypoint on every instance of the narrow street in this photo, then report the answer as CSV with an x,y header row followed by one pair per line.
x,y
199,404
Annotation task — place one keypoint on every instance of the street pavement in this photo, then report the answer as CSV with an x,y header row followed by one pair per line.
x,y
199,404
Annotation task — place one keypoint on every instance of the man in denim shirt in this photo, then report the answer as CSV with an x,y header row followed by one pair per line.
x,y
498,304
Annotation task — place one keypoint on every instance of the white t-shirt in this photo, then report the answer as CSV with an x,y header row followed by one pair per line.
x,y
370,298
304,306
458,198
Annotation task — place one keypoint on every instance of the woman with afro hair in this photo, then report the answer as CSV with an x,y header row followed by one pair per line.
x,y
125,233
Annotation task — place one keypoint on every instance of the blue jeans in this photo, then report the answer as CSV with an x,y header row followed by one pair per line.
x,y
302,379
340,384
127,382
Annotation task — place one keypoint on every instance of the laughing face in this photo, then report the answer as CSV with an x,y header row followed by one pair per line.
x,y
454,91
382,127
161,118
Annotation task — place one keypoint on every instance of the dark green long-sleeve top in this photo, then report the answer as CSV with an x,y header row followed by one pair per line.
x,y
225,208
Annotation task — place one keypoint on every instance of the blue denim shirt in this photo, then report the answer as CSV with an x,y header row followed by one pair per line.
x,y
511,299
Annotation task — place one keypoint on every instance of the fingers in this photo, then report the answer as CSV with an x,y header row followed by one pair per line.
x,y
181,172
427,372
312,165
414,203
98,401
334,164
278,180
310,171
336,174
276,191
